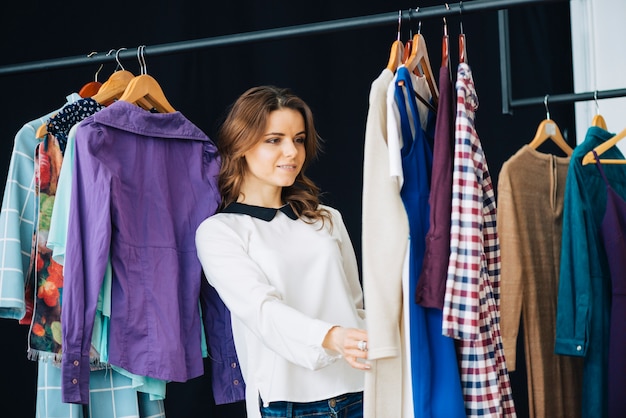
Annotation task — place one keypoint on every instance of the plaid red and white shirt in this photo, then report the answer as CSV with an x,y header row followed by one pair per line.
x,y
471,310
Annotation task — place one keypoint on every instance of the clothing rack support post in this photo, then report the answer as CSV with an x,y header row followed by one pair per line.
x,y
508,103
505,61
390,18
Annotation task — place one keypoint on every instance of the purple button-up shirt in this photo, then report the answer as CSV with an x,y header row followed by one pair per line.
x,y
143,183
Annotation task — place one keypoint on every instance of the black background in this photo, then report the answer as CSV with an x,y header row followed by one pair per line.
x,y
332,72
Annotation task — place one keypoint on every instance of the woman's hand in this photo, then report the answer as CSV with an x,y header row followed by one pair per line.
x,y
351,343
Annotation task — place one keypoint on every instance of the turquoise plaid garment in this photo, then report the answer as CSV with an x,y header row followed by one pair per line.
x,y
110,395
18,218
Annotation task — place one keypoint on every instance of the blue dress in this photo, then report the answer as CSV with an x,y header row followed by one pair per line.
x,y
434,368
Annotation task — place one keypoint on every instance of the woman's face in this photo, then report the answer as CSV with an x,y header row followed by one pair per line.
x,y
278,156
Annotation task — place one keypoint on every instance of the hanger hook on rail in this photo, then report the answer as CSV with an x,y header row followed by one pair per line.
x,y
143,67
399,22
117,57
109,53
419,22
545,103
445,22
595,99
91,54
461,16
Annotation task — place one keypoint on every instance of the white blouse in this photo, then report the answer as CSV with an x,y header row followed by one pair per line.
x,y
286,284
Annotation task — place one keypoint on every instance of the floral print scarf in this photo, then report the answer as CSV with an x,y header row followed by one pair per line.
x,y
44,291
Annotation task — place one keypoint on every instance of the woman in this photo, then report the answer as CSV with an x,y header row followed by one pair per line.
x,y
284,265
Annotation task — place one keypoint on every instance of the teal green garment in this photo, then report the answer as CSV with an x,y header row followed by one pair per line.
x,y
584,298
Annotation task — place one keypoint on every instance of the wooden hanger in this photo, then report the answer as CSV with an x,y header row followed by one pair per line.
x,y
419,59
397,49
145,91
395,55
42,131
408,46
114,87
462,48
89,89
600,149
445,52
548,129
599,122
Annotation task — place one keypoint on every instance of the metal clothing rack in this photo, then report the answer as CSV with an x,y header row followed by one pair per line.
x,y
410,15
508,103
382,19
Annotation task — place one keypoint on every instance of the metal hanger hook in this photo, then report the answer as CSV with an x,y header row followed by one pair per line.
x,y
419,22
400,22
461,15
91,54
545,103
595,99
118,63
117,58
143,67
445,22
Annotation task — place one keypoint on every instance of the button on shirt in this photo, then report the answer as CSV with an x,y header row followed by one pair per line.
x,y
143,183
286,283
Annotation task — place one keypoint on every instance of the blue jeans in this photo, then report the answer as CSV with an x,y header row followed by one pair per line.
x,y
349,405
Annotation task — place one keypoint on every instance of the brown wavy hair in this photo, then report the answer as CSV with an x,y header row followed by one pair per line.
x,y
244,127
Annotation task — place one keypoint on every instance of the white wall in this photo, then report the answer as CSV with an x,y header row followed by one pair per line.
x,y
599,59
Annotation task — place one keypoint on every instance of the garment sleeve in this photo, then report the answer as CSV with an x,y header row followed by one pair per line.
x,y
88,245
384,232
350,265
461,318
250,297
573,307
18,218
511,273
227,380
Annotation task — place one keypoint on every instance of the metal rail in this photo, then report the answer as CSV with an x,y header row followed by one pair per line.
x,y
275,34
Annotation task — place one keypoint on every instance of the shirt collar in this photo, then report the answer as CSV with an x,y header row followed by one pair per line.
x,y
260,212
132,118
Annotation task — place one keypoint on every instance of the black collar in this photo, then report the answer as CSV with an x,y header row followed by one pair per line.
x,y
266,214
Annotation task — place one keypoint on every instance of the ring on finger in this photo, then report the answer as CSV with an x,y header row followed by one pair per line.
x,y
362,345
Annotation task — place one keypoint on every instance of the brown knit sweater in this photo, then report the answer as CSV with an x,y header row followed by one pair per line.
x,y
531,189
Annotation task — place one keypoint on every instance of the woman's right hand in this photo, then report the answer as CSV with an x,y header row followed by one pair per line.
x,y
351,343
